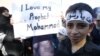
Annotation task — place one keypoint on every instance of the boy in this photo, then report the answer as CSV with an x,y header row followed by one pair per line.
x,y
79,22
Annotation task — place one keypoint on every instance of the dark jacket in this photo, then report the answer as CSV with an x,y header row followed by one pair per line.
x,y
95,34
89,49
1,53
11,45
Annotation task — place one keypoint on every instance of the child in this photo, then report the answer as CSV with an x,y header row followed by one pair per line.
x,y
79,23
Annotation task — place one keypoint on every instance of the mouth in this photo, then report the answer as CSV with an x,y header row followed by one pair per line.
x,y
74,37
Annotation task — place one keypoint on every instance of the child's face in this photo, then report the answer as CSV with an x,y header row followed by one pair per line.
x,y
77,30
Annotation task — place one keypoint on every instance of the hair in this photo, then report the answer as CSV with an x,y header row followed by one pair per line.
x,y
2,9
80,6
95,11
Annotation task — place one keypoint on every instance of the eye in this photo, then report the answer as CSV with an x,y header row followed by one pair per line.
x,y
98,20
70,25
81,25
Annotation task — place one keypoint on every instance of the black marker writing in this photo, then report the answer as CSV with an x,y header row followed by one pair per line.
x,y
41,27
38,17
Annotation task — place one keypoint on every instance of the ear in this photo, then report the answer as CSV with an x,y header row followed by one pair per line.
x,y
91,26
64,23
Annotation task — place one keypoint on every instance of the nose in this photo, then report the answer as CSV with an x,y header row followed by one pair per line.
x,y
74,30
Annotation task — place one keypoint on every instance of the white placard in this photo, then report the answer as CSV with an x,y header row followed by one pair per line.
x,y
33,18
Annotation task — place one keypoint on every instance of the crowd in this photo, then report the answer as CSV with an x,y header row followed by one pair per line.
x,y
79,35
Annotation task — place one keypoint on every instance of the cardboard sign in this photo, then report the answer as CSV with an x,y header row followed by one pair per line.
x,y
34,18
